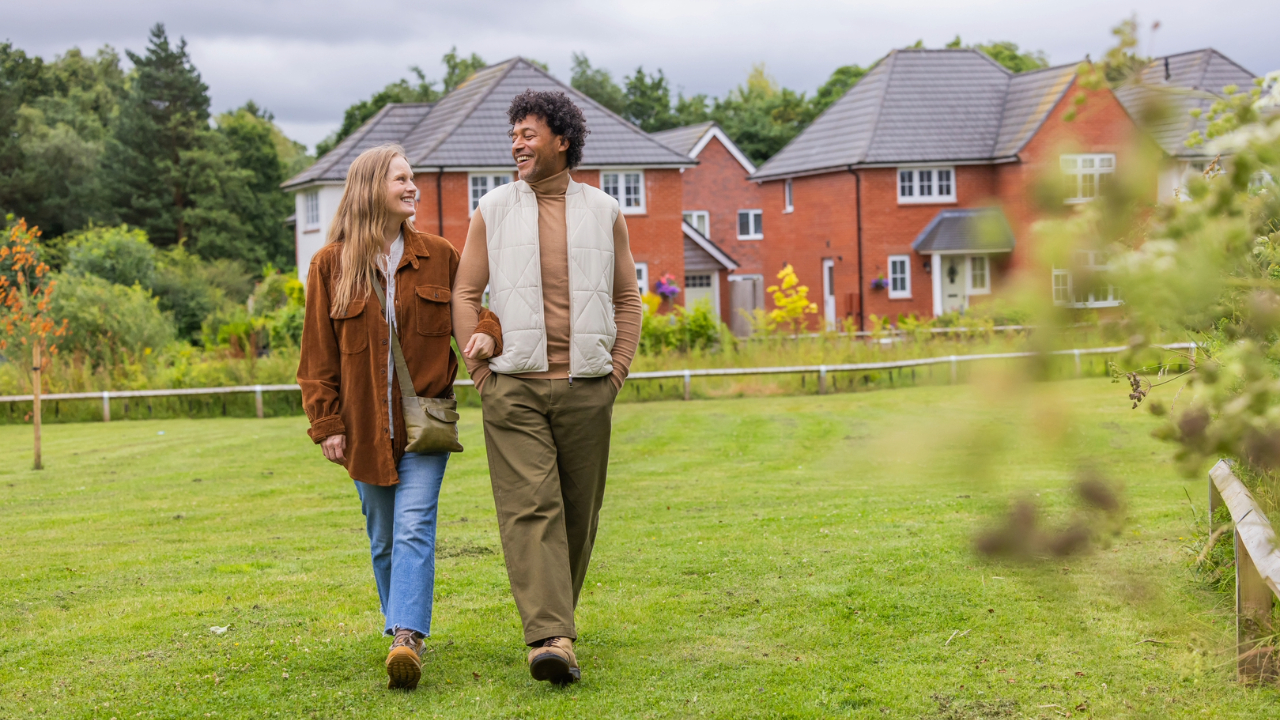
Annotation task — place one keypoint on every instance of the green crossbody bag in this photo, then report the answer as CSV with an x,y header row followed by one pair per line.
x,y
431,424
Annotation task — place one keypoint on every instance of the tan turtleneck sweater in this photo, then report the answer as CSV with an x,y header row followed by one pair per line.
x,y
553,247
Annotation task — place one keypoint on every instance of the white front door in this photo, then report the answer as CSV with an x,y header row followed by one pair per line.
x,y
953,270
829,292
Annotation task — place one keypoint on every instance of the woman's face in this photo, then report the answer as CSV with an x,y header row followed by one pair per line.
x,y
401,192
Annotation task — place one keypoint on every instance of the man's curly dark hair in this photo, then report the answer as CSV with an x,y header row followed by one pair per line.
x,y
559,113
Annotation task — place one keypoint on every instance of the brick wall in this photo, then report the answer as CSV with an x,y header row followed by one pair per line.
x,y
1101,125
824,222
719,185
456,191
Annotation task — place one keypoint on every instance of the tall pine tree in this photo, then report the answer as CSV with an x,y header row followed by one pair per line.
x,y
164,116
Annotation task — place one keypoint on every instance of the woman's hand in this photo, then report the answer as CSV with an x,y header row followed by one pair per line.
x,y
479,347
333,447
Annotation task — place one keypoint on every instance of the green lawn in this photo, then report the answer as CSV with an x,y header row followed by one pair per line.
x,y
757,558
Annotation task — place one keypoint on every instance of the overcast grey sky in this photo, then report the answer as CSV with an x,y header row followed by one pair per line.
x,y
307,61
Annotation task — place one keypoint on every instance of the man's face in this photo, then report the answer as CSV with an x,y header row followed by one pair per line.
x,y
538,152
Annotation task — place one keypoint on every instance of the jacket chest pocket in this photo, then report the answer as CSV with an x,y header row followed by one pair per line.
x,y
432,308
352,328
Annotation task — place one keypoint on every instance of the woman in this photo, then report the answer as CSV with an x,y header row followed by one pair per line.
x,y
350,392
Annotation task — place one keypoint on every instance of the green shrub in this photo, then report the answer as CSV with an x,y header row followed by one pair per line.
x,y
192,288
682,330
109,323
121,255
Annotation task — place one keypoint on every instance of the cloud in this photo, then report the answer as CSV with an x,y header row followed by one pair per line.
x,y
307,61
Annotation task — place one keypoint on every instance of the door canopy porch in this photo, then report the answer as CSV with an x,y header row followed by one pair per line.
x,y
969,231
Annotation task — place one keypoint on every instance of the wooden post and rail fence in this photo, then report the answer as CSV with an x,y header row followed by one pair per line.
x,y
1257,575
687,376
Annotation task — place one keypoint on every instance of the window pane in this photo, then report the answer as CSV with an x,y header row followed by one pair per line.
x,y
897,275
758,218
697,281
978,274
702,222
926,182
479,186
788,200
944,183
1106,162
500,180
906,183
1088,185
1061,286
1086,163
744,222
609,183
632,190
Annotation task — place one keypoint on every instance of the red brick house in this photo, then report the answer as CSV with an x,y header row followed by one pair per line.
x,y
911,194
722,204
459,150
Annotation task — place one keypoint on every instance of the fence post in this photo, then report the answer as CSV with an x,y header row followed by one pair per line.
x,y
688,380
106,406
257,399
953,369
1077,354
36,388
822,379
1253,618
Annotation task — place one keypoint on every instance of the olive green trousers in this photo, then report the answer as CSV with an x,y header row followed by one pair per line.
x,y
548,448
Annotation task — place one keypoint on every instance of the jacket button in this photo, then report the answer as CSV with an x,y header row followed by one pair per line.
x,y
384,342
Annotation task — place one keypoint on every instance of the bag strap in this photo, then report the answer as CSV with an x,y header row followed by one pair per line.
x,y
402,369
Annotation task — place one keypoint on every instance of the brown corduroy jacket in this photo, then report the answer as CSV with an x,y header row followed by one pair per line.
x,y
343,366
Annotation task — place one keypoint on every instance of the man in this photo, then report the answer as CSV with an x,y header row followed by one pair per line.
x,y
555,256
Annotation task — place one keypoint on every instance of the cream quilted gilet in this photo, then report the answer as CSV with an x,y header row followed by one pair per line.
x,y
515,278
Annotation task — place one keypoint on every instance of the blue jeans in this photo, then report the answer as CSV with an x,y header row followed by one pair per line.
x,y
401,521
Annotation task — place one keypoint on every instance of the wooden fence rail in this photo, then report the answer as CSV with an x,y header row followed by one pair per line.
x,y
687,375
1257,574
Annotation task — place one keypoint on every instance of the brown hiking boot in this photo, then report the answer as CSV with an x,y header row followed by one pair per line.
x,y
553,659
404,662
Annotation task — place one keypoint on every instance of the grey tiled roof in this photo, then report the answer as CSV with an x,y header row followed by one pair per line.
x,y
389,125
1165,92
468,128
475,131
925,106
1030,98
683,139
965,230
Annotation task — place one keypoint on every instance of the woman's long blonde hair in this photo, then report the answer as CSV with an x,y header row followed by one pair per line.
x,y
359,222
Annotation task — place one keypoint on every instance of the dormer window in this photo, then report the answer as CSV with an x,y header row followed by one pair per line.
x,y
926,185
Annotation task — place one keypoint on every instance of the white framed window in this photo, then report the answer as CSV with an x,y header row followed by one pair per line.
x,y
750,224
788,205
899,277
700,220
926,185
482,183
627,187
697,281
642,277
979,275
1066,293
1086,175
311,210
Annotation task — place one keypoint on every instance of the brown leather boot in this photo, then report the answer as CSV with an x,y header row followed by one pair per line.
x,y
553,660
404,662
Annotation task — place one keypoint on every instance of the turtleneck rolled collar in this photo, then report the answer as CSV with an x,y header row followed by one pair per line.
x,y
556,184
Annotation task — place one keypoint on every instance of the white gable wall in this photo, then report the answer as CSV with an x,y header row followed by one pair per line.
x,y
309,240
